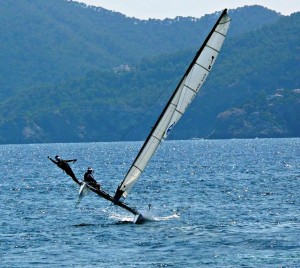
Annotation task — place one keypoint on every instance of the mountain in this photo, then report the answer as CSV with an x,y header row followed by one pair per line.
x,y
77,73
276,115
54,41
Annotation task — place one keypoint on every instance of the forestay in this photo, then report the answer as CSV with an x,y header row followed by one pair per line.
x,y
184,94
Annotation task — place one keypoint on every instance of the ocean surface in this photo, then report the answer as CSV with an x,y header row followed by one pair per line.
x,y
214,203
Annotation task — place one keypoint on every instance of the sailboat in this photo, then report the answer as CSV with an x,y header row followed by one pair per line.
x,y
181,98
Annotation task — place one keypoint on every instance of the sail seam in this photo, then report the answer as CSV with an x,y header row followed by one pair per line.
x,y
179,112
220,33
156,138
202,67
213,49
191,89
224,22
138,168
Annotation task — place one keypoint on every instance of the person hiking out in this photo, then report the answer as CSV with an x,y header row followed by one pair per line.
x,y
63,164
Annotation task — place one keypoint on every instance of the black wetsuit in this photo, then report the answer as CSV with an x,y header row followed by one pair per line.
x,y
89,179
63,164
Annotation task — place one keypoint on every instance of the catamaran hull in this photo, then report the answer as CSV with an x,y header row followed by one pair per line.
x,y
139,219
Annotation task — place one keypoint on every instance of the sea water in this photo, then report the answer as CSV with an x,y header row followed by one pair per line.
x,y
214,203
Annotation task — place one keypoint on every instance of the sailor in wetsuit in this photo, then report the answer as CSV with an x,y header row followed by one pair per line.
x,y
89,179
63,164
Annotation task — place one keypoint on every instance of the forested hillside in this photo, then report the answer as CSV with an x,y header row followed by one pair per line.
x,y
76,73
53,41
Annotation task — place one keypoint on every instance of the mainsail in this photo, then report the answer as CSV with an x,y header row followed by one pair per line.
x,y
182,97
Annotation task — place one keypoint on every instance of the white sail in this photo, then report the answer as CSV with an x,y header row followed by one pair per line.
x,y
184,94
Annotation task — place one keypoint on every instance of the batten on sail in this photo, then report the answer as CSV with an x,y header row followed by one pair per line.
x,y
182,97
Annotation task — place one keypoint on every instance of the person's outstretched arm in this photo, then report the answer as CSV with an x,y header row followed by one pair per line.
x,y
72,160
52,160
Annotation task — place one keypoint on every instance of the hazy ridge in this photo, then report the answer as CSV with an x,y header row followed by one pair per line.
x,y
74,73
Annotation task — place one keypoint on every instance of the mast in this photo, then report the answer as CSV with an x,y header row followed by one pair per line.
x,y
183,95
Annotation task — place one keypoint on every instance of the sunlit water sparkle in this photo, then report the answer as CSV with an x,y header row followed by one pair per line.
x,y
230,203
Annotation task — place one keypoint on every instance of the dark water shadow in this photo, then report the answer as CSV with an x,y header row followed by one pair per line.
x,y
84,225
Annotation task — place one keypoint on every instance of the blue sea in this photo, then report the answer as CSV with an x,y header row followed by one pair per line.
x,y
214,203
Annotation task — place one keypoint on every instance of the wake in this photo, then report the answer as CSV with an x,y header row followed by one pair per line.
x,y
148,216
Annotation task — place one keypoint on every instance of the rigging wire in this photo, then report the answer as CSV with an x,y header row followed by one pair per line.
x,y
143,115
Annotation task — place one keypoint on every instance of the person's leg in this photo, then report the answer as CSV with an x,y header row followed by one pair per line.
x,y
70,172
